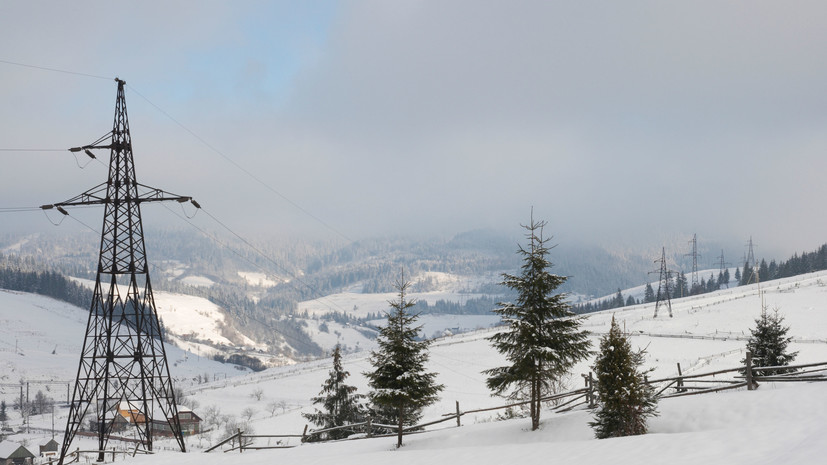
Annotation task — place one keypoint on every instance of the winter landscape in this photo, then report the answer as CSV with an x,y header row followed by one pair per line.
x,y
538,231
706,333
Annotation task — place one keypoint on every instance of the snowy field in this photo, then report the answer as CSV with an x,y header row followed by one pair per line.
x,y
442,286
777,423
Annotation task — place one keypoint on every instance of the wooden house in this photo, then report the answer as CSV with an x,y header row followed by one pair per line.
x,y
50,449
14,454
190,423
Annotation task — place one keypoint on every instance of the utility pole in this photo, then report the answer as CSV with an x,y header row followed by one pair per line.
x,y
664,293
749,264
694,255
123,364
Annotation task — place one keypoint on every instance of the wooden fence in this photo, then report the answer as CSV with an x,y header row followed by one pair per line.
x,y
73,457
746,375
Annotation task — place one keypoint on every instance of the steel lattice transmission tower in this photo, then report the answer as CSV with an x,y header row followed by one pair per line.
x,y
749,264
123,368
694,254
664,293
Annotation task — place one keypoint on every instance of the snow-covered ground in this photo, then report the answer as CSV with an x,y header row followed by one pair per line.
x,y
360,305
197,323
778,423
258,279
41,339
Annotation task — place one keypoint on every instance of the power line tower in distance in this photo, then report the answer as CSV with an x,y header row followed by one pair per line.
x,y
664,293
749,264
123,370
694,254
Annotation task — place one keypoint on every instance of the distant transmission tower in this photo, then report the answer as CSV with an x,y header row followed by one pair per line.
x,y
694,254
123,371
664,293
750,264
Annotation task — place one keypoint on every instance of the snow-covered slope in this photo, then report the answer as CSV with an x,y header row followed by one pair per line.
x,y
41,339
776,423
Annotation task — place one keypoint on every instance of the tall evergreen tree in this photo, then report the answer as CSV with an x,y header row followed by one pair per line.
x,y
4,417
738,276
681,286
625,401
401,386
747,276
618,299
712,284
763,271
648,294
542,339
340,403
768,343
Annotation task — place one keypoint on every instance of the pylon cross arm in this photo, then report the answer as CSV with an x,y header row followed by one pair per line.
x,y
97,196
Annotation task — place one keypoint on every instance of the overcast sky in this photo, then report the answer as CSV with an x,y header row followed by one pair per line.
x,y
617,121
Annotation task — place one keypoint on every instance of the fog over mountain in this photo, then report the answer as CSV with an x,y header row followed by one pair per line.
x,y
628,125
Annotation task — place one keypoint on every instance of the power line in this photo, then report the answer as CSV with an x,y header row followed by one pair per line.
x,y
193,134
243,169
266,257
56,70
32,150
18,209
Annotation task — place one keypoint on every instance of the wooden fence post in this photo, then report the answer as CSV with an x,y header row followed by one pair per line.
x,y
590,397
748,371
369,427
240,442
680,380
459,423
304,434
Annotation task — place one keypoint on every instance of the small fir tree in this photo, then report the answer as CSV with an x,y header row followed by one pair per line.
x,y
542,339
340,403
768,344
400,385
625,401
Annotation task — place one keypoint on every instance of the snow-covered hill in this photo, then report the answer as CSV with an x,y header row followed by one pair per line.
x,y
776,423
41,339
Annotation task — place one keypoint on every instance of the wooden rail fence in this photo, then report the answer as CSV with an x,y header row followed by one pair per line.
x,y
665,388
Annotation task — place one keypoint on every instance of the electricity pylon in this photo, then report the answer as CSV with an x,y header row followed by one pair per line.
x,y
123,368
749,263
694,254
664,292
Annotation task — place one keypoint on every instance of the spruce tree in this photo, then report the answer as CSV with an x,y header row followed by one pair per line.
x,y
340,403
768,344
625,401
681,286
618,300
542,339
747,276
648,294
400,385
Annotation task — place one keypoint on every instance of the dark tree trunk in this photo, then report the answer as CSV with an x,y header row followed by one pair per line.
x,y
401,425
